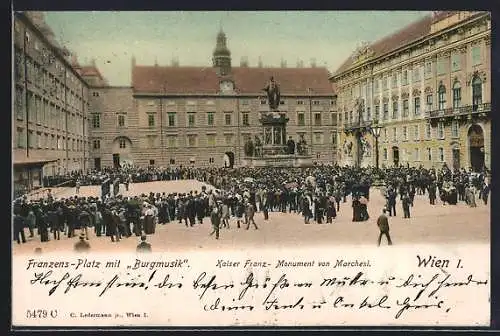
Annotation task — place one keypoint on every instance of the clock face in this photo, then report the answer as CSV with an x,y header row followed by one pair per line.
x,y
226,86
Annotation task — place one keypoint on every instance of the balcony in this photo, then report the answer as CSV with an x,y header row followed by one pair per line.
x,y
468,111
358,126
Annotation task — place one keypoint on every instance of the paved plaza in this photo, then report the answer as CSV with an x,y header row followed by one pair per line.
x,y
438,224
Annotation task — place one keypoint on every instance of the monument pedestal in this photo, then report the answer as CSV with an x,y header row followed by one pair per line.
x,y
274,150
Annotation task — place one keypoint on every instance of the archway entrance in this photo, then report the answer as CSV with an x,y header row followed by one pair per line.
x,y
476,147
456,158
395,155
122,152
228,160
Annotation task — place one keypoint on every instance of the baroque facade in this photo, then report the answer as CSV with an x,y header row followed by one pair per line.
x,y
427,87
182,115
50,104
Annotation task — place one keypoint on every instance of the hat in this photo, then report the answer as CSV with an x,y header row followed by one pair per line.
x,y
143,237
82,236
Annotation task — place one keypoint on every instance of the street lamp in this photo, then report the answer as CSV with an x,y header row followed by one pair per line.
x,y
375,129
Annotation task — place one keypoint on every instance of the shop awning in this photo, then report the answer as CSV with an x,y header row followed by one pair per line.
x,y
32,162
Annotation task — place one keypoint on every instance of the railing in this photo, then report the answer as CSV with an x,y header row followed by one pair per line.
x,y
357,125
459,111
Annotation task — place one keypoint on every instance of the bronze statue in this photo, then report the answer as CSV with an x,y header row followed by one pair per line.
x,y
273,94
258,146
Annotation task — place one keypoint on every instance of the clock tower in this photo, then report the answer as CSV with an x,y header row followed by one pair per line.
x,y
222,56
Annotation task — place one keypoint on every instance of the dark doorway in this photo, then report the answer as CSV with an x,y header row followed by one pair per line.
x,y
116,160
476,145
229,160
456,159
395,156
97,163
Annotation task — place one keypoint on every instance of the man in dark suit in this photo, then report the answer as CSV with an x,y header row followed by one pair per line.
x,y
143,247
383,225
82,245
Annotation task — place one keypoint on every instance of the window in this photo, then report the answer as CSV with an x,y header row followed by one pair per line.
x,y
191,119
301,119
122,143
416,106
416,154
96,144
172,161
454,129
318,138
394,81
441,154
377,112
263,102
385,154
441,66
350,117
395,110
429,154
228,138
246,121
211,160
19,104
455,62
172,141
151,162
227,118
95,94
386,111
405,133
121,120
151,120
317,119
428,69
394,134
211,140
404,78
457,95
416,132
440,130
171,119
416,74
476,55
300,102
20,138
368,114
191,140
406,108
442,97
31,139
210,118
244,102
385,135
429,102
96,120
333,118
428,131
477,92
315,102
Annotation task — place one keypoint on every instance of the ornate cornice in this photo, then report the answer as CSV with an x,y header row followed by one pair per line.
x,y
385,99
405,95
416,92
428,90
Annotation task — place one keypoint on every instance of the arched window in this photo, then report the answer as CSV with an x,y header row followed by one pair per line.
x,y
457,95
442,97
477,92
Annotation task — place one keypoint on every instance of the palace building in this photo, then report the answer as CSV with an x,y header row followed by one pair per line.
x,y
424,92
184,115
50,105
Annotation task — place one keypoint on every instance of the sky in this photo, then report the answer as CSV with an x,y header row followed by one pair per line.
x,y
112,38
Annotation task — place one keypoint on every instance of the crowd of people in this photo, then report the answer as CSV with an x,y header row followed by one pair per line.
x,y
315,193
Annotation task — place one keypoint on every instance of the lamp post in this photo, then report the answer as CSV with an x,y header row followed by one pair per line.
x,y
375,129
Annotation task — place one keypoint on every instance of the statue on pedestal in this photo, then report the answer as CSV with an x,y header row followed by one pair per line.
x,y
273,94
302,146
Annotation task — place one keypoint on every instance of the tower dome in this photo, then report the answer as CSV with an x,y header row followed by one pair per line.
x,y
222,56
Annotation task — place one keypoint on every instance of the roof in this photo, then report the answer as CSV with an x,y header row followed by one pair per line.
x,y
90,70
408,34
247,80
29,161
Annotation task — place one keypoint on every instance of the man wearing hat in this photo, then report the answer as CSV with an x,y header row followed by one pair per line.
x,y
82,245
383,225
143,247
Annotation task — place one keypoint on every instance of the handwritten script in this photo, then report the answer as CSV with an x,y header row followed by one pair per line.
x,y
247,286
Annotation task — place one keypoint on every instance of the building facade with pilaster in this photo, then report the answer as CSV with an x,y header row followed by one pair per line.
x,y
428,86
49,113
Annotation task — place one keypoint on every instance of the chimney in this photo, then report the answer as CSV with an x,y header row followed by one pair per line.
x,y
300,63
174,62
156,61
283,63
244,62
260,65
313,62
